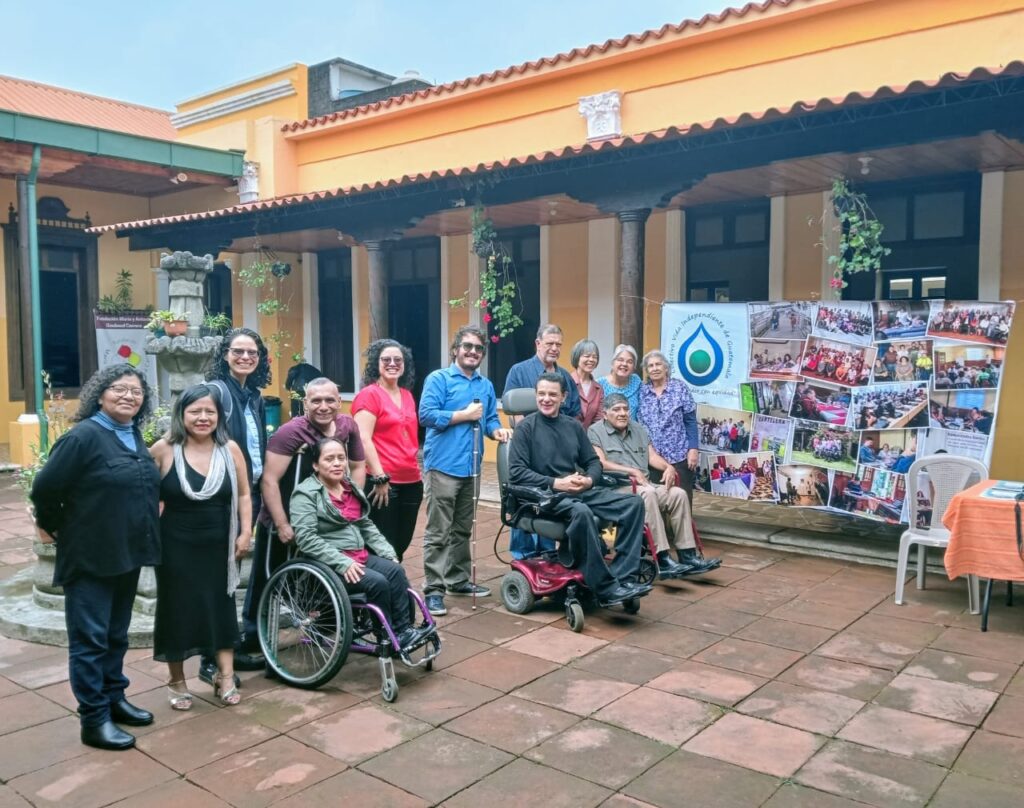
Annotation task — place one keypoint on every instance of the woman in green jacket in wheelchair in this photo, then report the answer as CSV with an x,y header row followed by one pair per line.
x,y
329,516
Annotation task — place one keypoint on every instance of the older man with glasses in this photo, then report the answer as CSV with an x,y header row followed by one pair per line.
x,y
455,399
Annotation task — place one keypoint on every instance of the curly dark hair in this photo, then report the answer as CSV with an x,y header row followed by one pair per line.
x,y
218,367
467,330
372,370
96,386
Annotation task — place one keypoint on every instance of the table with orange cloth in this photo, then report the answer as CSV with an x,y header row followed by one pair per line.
x,y
982,536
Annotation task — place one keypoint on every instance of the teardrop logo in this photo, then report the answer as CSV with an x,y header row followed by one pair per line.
x,y
700,358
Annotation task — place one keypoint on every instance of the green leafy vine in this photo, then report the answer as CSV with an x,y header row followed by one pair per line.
x,y
499,290
859,248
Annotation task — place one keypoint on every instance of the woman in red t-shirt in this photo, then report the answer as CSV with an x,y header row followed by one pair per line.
x,y
386,414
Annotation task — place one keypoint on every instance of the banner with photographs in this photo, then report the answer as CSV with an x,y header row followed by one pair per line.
x,y
812,404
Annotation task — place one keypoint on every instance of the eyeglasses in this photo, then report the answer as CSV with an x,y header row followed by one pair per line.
x,y
240,352
472,347
392,360
122,391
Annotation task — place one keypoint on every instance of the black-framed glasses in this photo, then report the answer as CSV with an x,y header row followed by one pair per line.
x,y
472,347
240,352
392,360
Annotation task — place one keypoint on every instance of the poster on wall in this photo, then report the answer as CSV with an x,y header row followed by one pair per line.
x,y
122,338
709,348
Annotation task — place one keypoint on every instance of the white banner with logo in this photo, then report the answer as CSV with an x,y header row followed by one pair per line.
x,y
709,348
122,338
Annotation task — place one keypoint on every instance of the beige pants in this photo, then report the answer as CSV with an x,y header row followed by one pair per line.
x,y
666,509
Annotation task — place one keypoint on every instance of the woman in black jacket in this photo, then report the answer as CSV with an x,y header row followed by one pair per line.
x,y
97,498
239,371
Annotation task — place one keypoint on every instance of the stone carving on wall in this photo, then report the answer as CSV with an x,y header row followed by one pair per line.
x,y
249,182
602,113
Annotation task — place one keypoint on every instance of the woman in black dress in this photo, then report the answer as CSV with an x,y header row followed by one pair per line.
x,y
97,498
205,528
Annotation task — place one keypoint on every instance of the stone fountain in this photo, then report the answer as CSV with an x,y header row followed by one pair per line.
x,y
31,607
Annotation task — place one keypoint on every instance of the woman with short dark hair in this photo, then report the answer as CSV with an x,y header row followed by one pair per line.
x,y
386,414
97,499
584,358
206,528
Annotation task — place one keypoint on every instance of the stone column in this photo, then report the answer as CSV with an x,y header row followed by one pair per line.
x,y
377,255
631,277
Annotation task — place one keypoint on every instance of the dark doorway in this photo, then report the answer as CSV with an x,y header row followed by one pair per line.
x,y
334,295
727,251
414,303
524,248
60,300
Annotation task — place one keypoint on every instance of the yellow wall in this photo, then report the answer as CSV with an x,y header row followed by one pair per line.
x,y
758,67
802,277
567,282
654,282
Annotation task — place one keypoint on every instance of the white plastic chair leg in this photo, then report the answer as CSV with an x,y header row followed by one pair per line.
x,y
901,567
973,594
922,565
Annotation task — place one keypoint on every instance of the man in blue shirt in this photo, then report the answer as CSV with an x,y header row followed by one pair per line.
x,y
867,452
454,400
525,374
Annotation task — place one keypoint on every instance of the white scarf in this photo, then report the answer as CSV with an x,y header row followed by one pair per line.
x,y
221,462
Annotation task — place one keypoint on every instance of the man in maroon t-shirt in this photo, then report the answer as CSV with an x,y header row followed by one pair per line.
x,y
322,420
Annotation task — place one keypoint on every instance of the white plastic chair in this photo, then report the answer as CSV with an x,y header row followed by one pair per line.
x,y
948,475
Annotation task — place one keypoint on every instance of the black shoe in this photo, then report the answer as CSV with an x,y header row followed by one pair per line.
x,y
696,564
123,712
616,595
407,638
668,568
270,673
467,589
249,662
107,736
208,672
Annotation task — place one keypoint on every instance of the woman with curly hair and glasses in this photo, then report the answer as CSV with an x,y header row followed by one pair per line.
x,y
97,499
239,371
386,414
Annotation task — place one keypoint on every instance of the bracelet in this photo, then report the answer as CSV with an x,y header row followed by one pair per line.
x,y
380,479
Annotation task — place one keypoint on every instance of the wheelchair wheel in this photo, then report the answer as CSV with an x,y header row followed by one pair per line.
x,y
631,606
516,593
574,616
647,572
305,623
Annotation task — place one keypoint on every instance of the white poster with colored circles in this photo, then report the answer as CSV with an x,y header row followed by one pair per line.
x,y
122,338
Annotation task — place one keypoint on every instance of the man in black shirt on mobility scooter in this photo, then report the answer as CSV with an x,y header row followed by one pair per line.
x,y
551,451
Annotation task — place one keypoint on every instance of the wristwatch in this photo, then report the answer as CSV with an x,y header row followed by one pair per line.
x,y
380,479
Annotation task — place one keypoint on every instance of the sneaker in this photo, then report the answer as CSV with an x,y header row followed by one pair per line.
x,y
467,589
435,605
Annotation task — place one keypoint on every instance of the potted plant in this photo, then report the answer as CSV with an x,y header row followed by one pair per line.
x,y
216,324
163,321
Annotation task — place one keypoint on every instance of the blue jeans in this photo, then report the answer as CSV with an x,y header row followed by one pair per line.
x,y
97,612
524,545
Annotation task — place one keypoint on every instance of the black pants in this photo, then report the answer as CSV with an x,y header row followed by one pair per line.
x,y
97,611
386,587
627,511
686,479
265,544
397,520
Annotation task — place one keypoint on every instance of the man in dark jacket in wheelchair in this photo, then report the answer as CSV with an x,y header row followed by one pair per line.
x,y
550,451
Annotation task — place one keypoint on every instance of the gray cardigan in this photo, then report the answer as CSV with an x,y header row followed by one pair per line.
x,y
321,532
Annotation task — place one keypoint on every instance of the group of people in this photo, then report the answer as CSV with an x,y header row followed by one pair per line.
x,y
828,447
836,365
830,408
903,362
958,376
883,406
892,458
899,322
843,321
959,419
725,435
981,323
213,489
764,362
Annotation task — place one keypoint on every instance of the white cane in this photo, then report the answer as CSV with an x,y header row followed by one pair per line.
x,y
476,501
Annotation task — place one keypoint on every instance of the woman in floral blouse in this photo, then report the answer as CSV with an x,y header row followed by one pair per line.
x,y
670,414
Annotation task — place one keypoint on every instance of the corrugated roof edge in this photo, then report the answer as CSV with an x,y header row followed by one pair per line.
x,y
800,107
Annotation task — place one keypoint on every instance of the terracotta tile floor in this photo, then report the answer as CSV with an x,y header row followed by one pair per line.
x,y
781,681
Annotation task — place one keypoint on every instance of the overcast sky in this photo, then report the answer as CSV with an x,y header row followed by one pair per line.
x,y
157,53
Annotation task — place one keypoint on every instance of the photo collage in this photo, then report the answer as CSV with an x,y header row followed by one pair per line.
x,y
843,396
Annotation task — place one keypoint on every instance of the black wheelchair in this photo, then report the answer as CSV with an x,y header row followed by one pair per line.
x,y
308,623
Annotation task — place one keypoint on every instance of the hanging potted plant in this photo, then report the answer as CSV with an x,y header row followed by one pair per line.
x,y
499,291
859,247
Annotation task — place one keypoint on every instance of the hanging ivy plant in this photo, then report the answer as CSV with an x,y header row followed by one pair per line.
x,y
266,274
499,290
860,246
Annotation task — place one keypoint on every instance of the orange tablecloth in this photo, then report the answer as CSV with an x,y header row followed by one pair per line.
x,y
983,536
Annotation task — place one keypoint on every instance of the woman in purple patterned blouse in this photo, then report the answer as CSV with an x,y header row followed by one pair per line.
x,y
668,411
